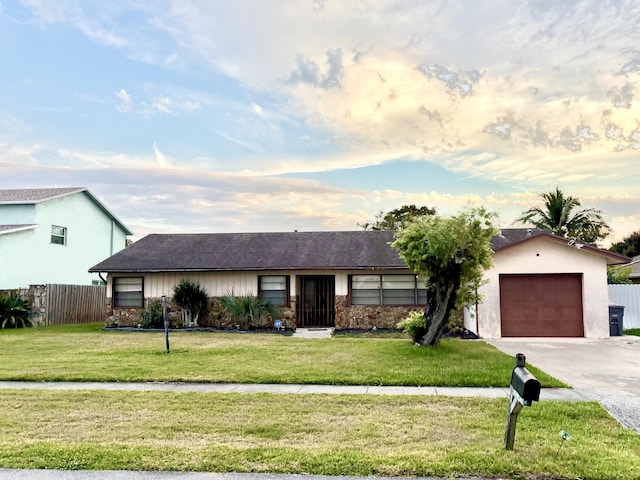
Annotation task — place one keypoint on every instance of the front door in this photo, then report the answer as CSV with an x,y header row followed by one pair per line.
x,y
316,301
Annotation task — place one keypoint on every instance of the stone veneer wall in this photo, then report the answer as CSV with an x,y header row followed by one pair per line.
x,y
361,317
216,318
365,317
36,295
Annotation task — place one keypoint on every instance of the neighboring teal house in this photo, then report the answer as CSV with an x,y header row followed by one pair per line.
x,y
54,235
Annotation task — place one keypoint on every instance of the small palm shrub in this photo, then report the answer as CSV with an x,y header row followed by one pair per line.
x,y
14,312
152,317
414,326
192,298
248,310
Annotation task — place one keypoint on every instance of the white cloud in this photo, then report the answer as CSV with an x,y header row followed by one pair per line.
x,y
163,105
161,159
190,105
257,109
520,93
125,101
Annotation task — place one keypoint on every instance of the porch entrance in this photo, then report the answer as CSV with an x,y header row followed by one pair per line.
x,y
316,302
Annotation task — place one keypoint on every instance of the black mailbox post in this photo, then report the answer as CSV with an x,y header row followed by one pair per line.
x,y
524,389
525,385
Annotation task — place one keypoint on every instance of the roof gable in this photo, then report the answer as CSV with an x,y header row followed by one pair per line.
x,y
32,196
512,237
256,251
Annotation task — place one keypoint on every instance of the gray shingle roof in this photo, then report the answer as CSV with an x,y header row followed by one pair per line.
x,y
35,195
256,251
280,251
508,236
635,267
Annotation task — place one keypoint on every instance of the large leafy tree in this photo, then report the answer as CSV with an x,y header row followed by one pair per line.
x,y
451,254
629,246
618,275
397,218
561,215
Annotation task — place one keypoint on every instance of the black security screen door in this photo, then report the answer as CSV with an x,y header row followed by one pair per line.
x,y
316,301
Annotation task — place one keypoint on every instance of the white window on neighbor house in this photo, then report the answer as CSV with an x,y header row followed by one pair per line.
x,y
128,292
387,290
274,288
58,235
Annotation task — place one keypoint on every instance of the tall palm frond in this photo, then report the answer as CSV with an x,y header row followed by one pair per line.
x,y
560,217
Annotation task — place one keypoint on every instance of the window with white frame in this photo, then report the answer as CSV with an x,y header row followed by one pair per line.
x,y
128,292
274,288
387,290
58,235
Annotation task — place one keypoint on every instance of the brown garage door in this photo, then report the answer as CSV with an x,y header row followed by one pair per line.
x,y
541,305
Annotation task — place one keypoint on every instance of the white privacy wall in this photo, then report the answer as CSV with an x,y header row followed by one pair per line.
x,y
629,297
543,256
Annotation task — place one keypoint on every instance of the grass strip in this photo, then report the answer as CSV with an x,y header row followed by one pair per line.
x,y
86,353
312,434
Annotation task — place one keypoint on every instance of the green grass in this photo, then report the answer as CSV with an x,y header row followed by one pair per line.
x,y
632,331
86,353
314,434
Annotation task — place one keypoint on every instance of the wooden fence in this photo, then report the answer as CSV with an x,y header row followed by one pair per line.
x,y
57,304
67,304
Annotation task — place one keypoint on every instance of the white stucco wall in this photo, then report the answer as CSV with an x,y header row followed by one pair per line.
x,y
17,214
92,236
543,255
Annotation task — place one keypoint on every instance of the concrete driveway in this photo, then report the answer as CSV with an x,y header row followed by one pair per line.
x,y
606,370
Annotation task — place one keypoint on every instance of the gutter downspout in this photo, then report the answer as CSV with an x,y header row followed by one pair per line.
x,y
112,233
477,323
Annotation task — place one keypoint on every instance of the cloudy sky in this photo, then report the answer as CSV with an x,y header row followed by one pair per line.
x,y
255,115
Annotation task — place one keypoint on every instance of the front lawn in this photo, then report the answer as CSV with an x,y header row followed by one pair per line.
x,y
86,353
310,434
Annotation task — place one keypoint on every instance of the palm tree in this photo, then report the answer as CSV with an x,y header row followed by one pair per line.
x,y
562,216
193,299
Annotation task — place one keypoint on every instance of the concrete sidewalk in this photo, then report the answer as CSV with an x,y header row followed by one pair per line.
x,y
563,394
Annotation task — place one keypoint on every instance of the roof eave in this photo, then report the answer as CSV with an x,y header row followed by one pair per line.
x,y
106,210
21,228
612,257
243,269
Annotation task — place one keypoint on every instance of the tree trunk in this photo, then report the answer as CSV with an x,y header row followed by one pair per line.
x,y
441,301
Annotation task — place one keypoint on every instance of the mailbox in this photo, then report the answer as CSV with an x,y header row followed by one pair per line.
x,y
525,384
524,389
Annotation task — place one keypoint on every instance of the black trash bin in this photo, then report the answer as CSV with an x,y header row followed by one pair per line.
x,y
616,312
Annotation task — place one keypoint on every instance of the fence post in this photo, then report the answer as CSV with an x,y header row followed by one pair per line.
x,y
166,321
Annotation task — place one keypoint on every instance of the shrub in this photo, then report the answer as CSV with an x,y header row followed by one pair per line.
x,y
248,310
414,326
191,297
152,317
14,312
